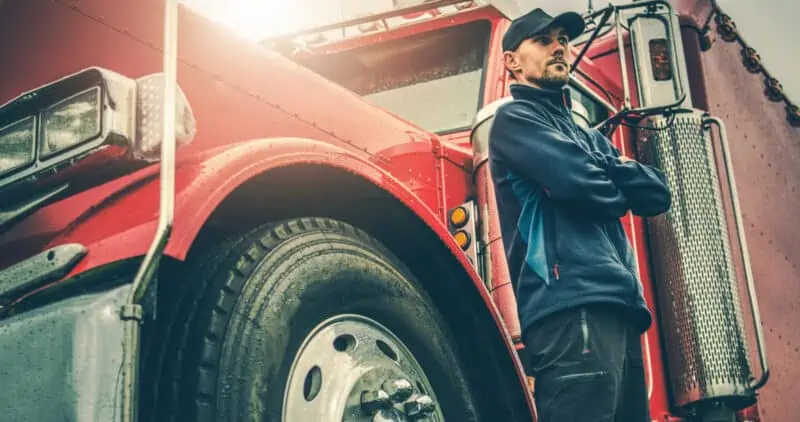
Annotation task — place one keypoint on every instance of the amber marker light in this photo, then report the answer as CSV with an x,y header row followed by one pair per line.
x,y
462,239
459,216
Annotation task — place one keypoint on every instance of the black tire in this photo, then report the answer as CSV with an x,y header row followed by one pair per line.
x,y
231,331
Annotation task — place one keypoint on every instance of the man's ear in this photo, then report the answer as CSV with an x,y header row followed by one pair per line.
x,y
510,61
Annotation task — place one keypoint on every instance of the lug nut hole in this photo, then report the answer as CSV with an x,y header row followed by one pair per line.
x,y
313,383
344,342
386,349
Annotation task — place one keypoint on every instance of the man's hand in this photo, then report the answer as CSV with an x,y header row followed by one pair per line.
x,y
625,159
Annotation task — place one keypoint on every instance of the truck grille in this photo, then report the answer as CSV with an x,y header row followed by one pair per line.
x,y
695,279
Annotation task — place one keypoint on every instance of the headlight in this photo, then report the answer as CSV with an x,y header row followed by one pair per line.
x,y
58,124
17,145
71,122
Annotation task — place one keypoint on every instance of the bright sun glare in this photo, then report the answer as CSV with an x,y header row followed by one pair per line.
x,y
253,19
257,19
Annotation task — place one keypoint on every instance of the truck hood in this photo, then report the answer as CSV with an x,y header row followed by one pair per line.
x,y
237,88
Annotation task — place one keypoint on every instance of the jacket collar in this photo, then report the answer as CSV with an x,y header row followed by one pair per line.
x,y
559,98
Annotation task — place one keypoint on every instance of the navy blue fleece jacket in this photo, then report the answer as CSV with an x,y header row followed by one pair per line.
x,y
561,191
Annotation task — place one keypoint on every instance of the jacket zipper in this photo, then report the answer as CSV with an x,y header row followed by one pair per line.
x,y
555,243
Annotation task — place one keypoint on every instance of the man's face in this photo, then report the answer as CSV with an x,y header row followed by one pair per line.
x,y
542,60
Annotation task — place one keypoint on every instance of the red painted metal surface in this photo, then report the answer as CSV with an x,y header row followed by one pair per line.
x,y
750,414
237,90
440,22
498,274
765,152
255,111
117,220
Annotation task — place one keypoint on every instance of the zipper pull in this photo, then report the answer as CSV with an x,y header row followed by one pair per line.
x,y
555,270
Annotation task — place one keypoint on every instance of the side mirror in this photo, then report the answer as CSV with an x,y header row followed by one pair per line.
x,y
658,61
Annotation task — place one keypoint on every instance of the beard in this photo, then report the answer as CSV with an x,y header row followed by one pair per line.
x,y
554,77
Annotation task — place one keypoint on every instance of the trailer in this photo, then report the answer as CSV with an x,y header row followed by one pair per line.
x,y
195,227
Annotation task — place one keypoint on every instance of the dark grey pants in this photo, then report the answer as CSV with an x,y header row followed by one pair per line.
x,y
588,367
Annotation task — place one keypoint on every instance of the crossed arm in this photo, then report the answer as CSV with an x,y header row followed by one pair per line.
x,y
589,183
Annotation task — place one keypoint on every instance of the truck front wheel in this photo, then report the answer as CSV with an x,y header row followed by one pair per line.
x,y
308,320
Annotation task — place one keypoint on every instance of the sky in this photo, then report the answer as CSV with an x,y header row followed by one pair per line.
x,y
766,25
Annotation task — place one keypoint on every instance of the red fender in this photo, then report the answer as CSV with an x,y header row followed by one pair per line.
x,y
117,221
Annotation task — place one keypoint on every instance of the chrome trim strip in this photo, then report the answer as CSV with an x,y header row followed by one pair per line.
x,y
626,105
751,289
39,269
132,313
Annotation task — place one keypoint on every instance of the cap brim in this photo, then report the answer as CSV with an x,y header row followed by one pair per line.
x,y
571,22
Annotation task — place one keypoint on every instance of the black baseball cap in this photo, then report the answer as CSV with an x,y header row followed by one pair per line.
x,y
536,21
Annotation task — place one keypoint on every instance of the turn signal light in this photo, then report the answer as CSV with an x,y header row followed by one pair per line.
x,y
459,216
462,239
660,59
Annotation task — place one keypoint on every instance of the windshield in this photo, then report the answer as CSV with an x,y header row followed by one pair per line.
x,y
433,80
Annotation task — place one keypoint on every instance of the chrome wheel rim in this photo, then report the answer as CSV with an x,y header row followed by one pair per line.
x,y
350,368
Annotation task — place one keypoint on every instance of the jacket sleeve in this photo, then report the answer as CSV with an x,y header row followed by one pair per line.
x,y
531,146
644,186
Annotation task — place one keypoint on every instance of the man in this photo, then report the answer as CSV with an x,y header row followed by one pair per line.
x,y
561,191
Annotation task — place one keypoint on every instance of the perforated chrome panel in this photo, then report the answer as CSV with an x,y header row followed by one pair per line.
x,y
698,299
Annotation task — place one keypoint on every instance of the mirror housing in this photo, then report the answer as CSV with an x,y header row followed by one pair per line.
x,y
659,67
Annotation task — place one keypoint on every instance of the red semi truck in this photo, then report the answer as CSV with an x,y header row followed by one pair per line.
x,y
195,227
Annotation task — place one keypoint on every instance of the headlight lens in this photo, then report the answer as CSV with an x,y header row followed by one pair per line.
x,y
55,126
71,122
16,145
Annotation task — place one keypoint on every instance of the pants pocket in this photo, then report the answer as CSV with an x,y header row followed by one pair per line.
x,y
578,397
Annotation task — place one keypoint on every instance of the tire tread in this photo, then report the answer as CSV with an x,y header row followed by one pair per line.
x,y
195,330
222,272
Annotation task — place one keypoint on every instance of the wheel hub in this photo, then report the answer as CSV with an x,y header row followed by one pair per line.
x,y
352,369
